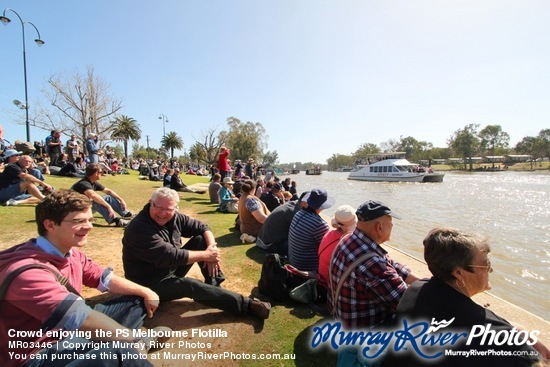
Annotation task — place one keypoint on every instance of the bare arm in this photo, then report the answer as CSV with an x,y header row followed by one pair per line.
x,y
259,216
31,178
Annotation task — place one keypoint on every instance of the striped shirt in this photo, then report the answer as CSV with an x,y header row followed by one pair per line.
x,y
306,232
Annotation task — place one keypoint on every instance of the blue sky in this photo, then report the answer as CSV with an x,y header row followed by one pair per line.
x,y
322,77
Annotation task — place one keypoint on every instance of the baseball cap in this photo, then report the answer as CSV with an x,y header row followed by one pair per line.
x,y
373,209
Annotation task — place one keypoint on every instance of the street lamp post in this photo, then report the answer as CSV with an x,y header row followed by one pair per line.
x,y
39,42
164,121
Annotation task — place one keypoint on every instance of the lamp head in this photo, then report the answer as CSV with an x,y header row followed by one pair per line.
x,y
39,42
5,20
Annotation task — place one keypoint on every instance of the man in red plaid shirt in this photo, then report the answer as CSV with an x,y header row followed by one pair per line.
x,y
370,294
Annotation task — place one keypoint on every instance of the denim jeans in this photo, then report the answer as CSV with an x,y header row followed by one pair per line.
x,y
104,212
126,310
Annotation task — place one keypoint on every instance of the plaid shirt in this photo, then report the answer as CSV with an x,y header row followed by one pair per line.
x,y
372,291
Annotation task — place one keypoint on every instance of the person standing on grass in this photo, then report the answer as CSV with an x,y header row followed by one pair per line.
x,y
223,163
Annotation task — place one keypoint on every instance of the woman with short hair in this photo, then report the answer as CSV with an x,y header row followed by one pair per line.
x,y
459,262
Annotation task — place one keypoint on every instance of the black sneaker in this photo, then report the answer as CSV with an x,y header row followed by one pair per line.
x,y
119,222
128,215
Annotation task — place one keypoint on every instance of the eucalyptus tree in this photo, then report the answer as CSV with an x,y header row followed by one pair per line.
x,y
544,141
364,150
493,138
244,139
270,159
172,141
415,150
125,128
338,161
465,142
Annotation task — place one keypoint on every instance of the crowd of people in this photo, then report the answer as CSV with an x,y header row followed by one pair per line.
x,y
357,280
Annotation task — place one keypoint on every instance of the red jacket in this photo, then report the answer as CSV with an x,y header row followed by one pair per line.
x,y
223,165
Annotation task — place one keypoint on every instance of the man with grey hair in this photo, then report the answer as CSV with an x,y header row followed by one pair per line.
x,y
153,256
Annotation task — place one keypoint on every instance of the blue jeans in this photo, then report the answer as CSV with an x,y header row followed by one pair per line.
x,y
126,310
36,173
104,212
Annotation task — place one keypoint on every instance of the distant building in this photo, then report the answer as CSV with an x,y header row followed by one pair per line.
x,y
519,158
495,158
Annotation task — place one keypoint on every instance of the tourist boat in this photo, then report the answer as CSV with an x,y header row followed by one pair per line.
x,y
314,171
393,167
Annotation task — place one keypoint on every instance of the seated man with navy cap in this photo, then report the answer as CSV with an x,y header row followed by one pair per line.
x,y
370,294
307,230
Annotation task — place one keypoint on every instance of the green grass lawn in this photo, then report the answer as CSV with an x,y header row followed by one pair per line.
x,y
286,331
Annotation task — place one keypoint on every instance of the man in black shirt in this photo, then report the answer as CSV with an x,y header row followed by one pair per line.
x,y
274,197
108,205
153,256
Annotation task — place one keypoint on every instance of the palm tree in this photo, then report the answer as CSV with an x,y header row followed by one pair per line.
x,y
125,128
172,141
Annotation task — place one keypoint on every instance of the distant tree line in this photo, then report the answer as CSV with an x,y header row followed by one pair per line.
x,y
81,104
464,143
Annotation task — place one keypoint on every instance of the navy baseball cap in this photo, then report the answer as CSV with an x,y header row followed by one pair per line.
x,y
373,209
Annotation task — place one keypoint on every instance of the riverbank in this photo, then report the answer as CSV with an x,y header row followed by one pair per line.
x,y
481,167
287,330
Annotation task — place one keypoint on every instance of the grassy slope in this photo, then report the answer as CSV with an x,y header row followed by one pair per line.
x,y
284,332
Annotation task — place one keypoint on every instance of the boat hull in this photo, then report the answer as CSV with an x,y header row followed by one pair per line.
x,y
416,178
434,177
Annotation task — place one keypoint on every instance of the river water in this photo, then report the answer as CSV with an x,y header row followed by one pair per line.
x,y
511,208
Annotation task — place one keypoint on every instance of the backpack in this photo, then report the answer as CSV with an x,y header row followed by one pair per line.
x,y
278,279
274,278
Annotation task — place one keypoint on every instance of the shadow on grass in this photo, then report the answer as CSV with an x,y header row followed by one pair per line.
x,y
186,314
230,240
257,254
305,356
197,200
